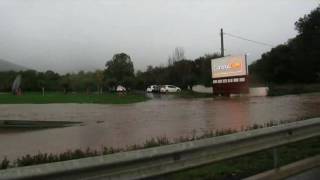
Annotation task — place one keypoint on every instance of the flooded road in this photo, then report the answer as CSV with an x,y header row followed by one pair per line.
x,y
121,125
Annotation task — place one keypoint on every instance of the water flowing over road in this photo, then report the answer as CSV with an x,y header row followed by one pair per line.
x,y
121,125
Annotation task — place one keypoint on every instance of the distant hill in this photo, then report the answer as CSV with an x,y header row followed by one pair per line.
x,y
8,66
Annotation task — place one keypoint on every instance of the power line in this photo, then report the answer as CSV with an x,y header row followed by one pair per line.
x,y
245,39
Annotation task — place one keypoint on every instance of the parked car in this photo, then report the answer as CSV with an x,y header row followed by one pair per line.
x,y
121,89
169,88
153,88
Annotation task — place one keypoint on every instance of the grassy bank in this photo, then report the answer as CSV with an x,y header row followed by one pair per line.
x,y
245,166
192,94
278,90
56,97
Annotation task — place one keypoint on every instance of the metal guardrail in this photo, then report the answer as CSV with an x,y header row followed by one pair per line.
x,y
170,158
290,170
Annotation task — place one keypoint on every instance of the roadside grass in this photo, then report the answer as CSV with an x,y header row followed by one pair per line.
x,y
249,165
56,97
193,94
279,90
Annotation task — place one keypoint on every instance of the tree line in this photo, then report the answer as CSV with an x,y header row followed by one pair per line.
x,y
298,60
35,81
118,71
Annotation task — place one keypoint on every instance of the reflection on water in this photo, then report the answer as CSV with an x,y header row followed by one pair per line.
x,y
121,125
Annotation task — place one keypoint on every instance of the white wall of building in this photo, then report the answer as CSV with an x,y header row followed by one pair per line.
x,y
253,92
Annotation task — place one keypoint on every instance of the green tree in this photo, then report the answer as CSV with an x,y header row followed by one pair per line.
x,y
203,68
65,83
99,80
183,73
120,68
6,80
297,61
29,80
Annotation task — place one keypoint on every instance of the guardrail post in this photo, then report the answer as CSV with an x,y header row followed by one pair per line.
x,y
275,158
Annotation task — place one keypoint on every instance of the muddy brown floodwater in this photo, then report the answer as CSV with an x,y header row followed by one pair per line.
x,y
121,125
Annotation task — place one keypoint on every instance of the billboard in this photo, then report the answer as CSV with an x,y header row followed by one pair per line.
x,y
229,66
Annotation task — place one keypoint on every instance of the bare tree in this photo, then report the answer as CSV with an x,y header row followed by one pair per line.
x,y
177,55
170,61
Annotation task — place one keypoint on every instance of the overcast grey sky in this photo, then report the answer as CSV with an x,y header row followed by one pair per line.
x,y
69,35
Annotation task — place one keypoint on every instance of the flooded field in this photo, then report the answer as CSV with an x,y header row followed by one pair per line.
x,y
121,125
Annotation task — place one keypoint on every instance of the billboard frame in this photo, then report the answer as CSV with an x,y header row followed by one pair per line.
x,y
225,86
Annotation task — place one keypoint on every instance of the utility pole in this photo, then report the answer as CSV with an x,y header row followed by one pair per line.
x,y
246,62
222,46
